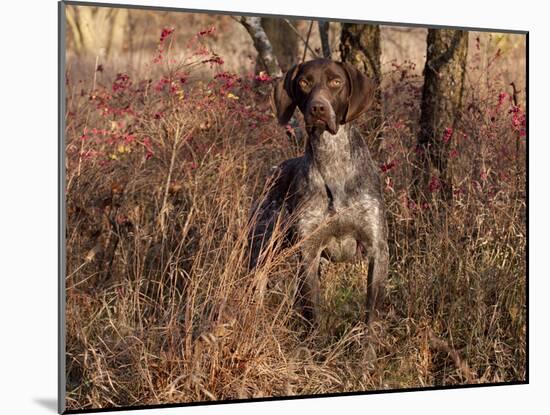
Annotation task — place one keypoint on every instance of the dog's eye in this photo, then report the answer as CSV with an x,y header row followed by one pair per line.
x,y
335,83
303,83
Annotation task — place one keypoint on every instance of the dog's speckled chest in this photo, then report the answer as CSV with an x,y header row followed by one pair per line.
x,y
338,197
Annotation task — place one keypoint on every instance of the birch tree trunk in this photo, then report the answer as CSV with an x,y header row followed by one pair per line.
x,y
267,56
253,25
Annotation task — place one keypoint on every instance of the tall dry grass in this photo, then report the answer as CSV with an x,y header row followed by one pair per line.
x,y
161,174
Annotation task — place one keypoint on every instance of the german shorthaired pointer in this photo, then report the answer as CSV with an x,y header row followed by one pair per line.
x,y
331,197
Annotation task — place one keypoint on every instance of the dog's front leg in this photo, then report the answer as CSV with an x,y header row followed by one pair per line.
x,y
376,280
309,287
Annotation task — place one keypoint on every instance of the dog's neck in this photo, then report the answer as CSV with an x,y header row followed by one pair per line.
x,y
327,152
331,160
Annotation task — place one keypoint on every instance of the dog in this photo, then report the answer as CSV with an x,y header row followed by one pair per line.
x,y
331,197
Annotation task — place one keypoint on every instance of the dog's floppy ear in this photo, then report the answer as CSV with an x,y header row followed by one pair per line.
x,y
282,99
361,94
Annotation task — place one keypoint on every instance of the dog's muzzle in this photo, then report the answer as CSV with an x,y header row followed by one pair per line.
x,y
320,116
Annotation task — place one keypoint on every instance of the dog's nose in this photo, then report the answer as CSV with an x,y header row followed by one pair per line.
x,y
318,109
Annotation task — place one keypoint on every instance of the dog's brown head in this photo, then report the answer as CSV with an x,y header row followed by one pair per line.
x,y
328,93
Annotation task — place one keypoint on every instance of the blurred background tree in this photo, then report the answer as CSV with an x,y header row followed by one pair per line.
x,y
283,41
97,30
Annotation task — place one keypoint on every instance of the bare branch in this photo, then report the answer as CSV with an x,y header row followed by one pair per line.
x,y
324,27
307,41
300,37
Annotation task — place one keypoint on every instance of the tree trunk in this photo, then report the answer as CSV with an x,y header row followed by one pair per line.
x,y
360,46
440,108
269,60
97,31
253,25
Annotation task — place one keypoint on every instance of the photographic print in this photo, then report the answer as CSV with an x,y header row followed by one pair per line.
x,y
262,207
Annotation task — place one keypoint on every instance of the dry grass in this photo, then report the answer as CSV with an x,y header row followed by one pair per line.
x,y
161,308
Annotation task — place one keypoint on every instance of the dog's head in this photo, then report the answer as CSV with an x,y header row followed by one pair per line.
x,y
328,93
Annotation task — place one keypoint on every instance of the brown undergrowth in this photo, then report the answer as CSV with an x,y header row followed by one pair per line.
x,y
161,175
